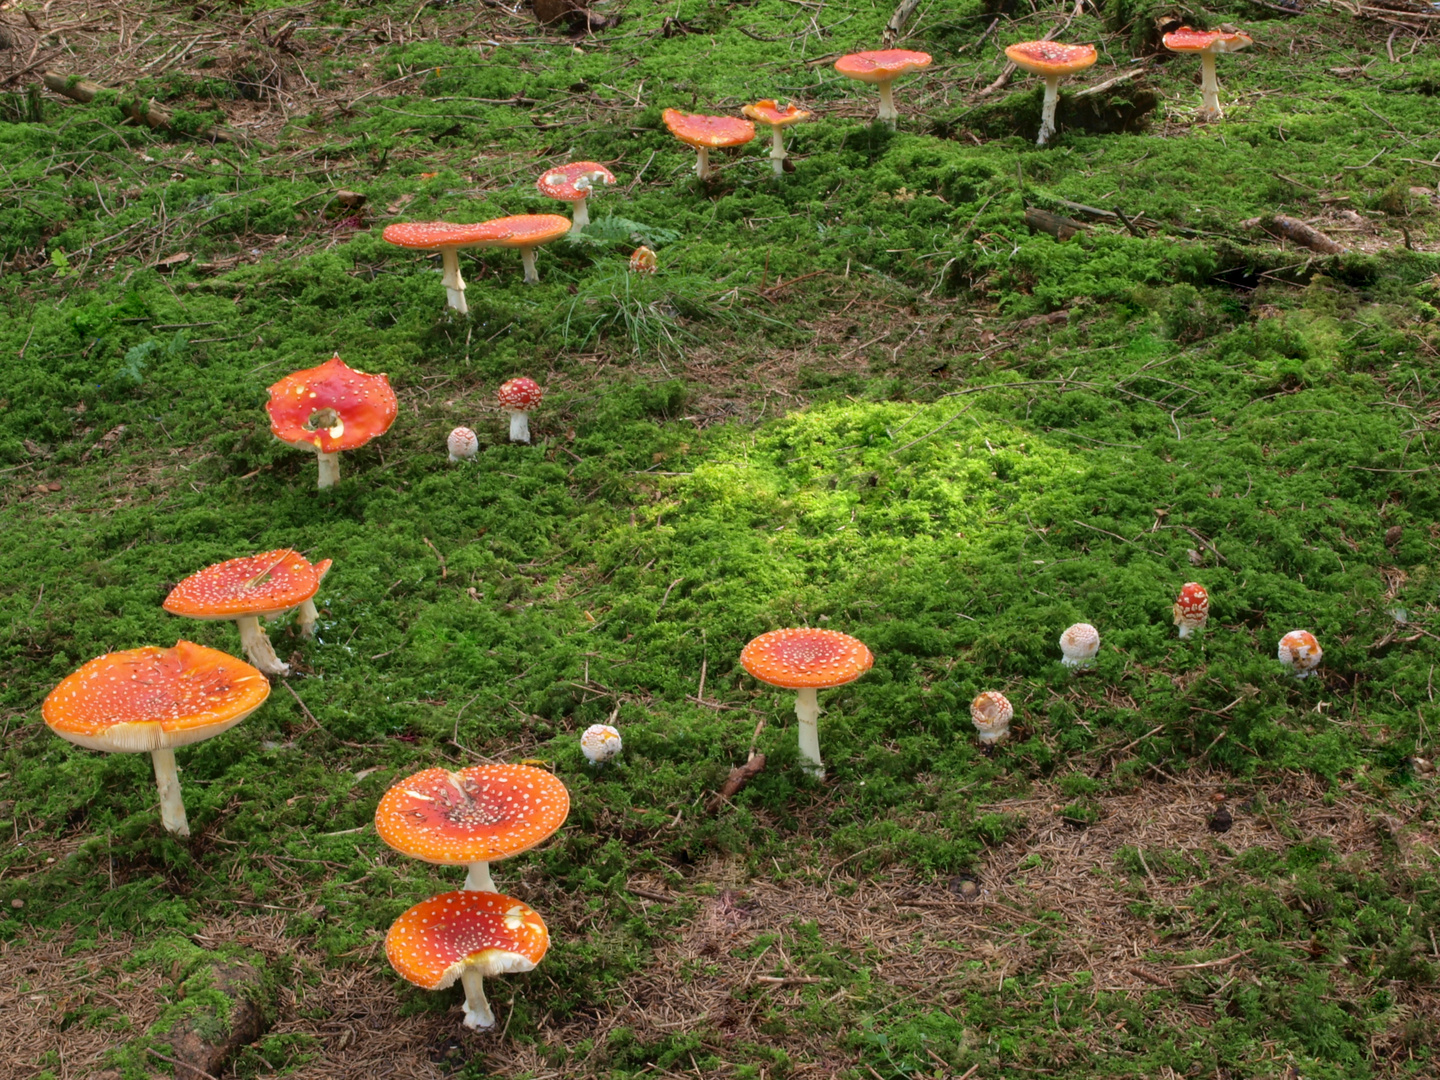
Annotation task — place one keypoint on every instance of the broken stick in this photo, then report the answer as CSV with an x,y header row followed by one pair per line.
x,y
1296,231
738,778
1062,228
146,112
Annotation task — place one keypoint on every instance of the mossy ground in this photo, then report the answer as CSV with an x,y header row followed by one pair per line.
x,y
862,396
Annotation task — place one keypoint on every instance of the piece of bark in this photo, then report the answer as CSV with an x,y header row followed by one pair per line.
x,y
148,113
1062,228
203,1042
738,778
1296,231
897,22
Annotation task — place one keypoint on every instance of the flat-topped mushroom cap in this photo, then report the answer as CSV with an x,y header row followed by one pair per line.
x,y
768,112
522,394
525,230
1212,41
266,584
801,659
575,181
331,407
152,698
697,129
478,814
882,65
1194,602
432,943
1051,57
991,709
435,235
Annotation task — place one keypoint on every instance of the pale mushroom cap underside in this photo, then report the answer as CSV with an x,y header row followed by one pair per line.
x,y
266,584
1051,57
798,659
433,942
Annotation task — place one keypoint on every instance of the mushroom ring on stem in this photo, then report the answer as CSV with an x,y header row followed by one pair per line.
x,y
707,133
991,713
1079,644
330,408
1208,43
807,660
250,589
466,936
779,117
1051,60
519,397
882,67
1300,652
1192,609
154,700
447,239
575,183
472,817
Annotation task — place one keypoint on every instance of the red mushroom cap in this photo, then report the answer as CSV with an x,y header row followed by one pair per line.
x,y
152,698
882,65
643,261
524,230
433,942
434,235
1186,39
363,406
265,584
1194,602
573,182
521,394
478,814
697,129
1051,57
767,111
798,659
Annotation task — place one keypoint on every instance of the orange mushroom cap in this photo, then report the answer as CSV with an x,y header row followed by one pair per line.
x,y
525,230
153,698
1193,603
265,584
522,394
767,111
1186,39
697,129
1051,57
432,943
364,406
799,659
565,181
434,235
882,65
478,814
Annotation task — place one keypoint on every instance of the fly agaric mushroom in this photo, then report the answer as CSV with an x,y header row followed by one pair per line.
x,y
600,744
250,589
1053,61
472,817
779,117
643,261
707,133
466,936
1208,43
154,700
883,67
518,397
330,408
1192,609
1079,644
575,183
447,239
463,444
526,232
1300,652
991,713
807,660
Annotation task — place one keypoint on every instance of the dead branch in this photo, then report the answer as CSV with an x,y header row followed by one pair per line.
x,y
738,778
897,21
1062,228
1296,231
147,112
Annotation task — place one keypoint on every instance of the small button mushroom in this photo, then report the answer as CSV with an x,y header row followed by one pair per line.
x,y
1079,644
991,713
1300,652
1208,43
518,397
1192,609
882,67
643,261
1052,61
600,743
706,133
463,444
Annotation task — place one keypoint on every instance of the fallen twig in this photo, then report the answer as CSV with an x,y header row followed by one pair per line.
x,y
738,778
1296,231
146,112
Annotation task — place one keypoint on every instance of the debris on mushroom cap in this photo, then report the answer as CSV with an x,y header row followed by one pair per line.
x,y
575,181
1192,609
1079,644
434,235
643,261
1186,39
524,230
1051,57
266,584
1299,650
991,713
600,743
478,814
766,111
697,129
881,65
432,943
331,407
803,658
151,698
522,393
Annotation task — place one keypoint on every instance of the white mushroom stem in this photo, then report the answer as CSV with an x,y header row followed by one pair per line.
x,y
702,162
527,257
453,282
167,779
807,711
308,618
519,426
329,468
1047,111
258,648
479,880
580,216
995,733
1186,629
888,113
478,1014
777,149
1209,88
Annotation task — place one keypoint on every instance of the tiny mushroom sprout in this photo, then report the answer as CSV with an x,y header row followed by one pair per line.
x,y
1208,43
448,240
463,444
643,261
600,744
575,183
526,232
779,117
1053,61
883,67
154,700
249,589
328,409
807,660
707,133
1300,652
1192,609
472,817
518,397
466,936
991,713
1079,644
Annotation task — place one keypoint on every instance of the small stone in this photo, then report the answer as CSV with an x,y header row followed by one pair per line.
x,y
1393,535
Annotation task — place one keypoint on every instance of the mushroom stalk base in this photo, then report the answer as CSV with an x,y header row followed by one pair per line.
x,y
527,259
994,735
887,114
329,469
1209,88
702,162
1047,111
807,711
581,217
167,779
777,150
519,427
1186,629
479,880
451,279
478,1014
258,648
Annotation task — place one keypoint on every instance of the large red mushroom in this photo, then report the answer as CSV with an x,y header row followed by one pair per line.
x,y
706,133
328,409
447,239
1052,61
882,67
1208,43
